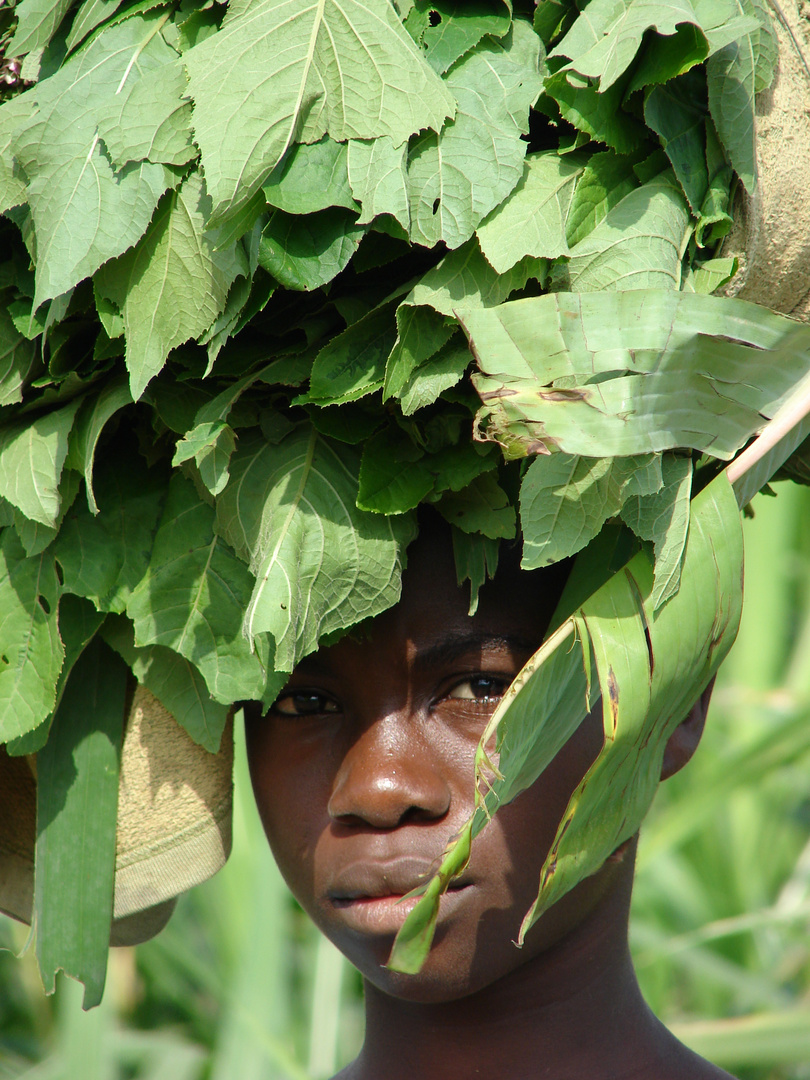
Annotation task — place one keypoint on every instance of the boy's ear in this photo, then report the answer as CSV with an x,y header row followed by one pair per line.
x,y
683,741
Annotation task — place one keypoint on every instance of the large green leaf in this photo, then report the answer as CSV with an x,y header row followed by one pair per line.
x,y
566,499
17,357
604,182
532,220
74,190
13,113
307,251
638,245
652,667
321,564
32,455
348,70
175,682
31,652
379,179
37,22
75,853
193,597
103,555
649,684
91,421
452,185
173,284
312,178
450,28
602,374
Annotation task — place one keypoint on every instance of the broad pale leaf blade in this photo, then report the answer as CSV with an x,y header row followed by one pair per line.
x,y
638,245
663,518
566,499
31,652
171,286
656,371
17,356
312,178
688,639
379,179
32,455
452,184
449,29
731,76
13,114
532,220
348,70
75,853
74,191
321,564
193,597
307,251
37,22
677,113
175,682
605,181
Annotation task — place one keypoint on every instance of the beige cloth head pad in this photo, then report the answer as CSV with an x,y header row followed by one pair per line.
x,y
174,821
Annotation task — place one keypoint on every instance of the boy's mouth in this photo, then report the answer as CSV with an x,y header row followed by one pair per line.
x,y
371,896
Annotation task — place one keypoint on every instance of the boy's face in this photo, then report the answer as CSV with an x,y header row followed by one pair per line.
x,y
363,771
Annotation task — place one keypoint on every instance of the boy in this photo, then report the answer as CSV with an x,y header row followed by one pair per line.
x,y
363,770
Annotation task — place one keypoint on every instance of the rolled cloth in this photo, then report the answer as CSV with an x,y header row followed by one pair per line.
x,y
174,821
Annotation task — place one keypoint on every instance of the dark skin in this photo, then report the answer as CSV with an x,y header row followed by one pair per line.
x,y
362,773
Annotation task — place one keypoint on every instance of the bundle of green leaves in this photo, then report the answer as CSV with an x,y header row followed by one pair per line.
x,y
276,272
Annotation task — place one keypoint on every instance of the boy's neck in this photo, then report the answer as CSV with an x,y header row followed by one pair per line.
x,y
572,1013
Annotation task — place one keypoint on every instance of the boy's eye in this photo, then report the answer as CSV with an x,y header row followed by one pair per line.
x,y
305,703
485,689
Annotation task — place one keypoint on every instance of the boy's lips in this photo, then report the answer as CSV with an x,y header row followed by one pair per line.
x,y
369,896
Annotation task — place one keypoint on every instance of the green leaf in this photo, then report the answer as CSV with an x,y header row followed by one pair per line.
x,y
677,113
652,667
193,597
73,189
566,499
476,559
104,556
663,518
379,179
175,682
13,114
430,380
452,186
172,285
597,113
393,478
731,78
91,13
532,220
35,537
347,70
78,622
352,364
481,507
32,453
639,244
450,28
31,653
91,421
311,178
604,42
37,22
151,118
706,277
75,851
211,446
305,252
640,371
604,182
17,358
290,509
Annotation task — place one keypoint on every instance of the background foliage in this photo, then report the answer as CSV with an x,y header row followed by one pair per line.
x,y
239,984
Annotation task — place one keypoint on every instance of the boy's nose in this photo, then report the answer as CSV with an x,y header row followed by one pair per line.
x,y
389,776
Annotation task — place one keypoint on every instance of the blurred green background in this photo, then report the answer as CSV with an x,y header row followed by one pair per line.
x,y
240,985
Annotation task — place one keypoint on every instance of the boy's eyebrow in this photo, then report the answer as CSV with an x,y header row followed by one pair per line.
x,y
453,646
